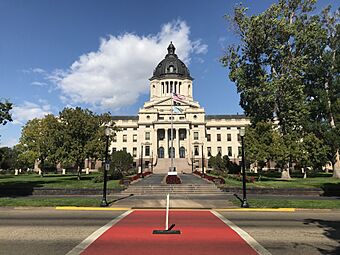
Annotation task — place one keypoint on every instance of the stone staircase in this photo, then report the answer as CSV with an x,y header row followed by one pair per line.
x,y
191,185
163,165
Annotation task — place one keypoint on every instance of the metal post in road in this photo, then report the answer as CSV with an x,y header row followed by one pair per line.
x,y
244,200
141,163
104,202
202,162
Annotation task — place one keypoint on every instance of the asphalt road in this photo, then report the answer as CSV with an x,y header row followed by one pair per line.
x,y
48,231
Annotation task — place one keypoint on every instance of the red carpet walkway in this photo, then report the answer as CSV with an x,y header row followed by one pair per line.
x,y
201,233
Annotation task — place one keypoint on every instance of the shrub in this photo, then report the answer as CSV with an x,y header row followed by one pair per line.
x,y
173,179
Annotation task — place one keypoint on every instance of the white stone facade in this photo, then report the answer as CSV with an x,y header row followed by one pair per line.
x,y
193,129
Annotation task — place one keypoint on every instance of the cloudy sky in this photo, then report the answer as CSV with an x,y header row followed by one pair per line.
x,y
99,54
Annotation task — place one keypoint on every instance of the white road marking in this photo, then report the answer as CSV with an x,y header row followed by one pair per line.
x,y
94,236
243,234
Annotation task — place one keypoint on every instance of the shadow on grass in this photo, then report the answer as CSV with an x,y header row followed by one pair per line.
x,y
331,230
25,185
118,199
331,189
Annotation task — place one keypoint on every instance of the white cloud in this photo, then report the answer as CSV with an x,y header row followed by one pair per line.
x,y
9,142
27,111
117,74
39,83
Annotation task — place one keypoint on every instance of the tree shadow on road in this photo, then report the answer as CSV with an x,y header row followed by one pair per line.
x,y
331,230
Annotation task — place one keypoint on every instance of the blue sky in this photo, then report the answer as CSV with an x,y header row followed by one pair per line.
x,y
99,54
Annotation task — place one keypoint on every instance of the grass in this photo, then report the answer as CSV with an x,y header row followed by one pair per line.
x,y
53,181
49,202
291,203
274,182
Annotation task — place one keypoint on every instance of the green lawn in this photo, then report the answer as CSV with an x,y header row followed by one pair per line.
x,y
50,202
291,203
272,182
53,181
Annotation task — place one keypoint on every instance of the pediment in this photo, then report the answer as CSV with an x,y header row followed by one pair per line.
x,y
167,102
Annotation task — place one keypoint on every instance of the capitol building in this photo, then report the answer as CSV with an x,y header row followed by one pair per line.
x,y
172,123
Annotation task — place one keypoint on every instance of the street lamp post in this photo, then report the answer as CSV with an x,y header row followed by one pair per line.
x,y
192,161
141,161
202,162
104,202
244,200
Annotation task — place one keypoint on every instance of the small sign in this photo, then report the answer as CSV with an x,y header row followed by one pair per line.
x,y
107,167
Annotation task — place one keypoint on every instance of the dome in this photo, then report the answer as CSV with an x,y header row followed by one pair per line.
x,y
171,67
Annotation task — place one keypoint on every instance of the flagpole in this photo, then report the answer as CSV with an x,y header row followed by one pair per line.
x,y
172,133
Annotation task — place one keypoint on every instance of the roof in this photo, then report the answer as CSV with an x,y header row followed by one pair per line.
x,y
229,116
125,117
171,67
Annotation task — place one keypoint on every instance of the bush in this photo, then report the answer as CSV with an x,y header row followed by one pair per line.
x,y
173,179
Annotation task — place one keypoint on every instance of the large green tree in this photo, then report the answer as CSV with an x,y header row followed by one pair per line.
x,y
41,137
269,68
82,135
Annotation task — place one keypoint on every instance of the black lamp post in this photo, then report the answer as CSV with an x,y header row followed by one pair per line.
x,y
104,202
202,162
141,161
244,200
192,161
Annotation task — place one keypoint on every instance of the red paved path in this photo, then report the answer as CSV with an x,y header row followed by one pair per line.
x,y
201,233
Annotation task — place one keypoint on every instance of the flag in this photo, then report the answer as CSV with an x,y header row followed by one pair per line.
x,y
177,97
177,110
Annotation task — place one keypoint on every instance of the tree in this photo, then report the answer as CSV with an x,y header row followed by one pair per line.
x,y
82,136
7,158
121,163
269,68
5,115
41,137
322,82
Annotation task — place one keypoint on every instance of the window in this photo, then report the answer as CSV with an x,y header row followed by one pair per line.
x,y
147,126
195,116
196,151
195,135
147,150
181,117
124,128
218,137
135,138
124,149
209,151
228,128
218,128
147,135
196,126
148,116
238,128
208,137
182,134
161,118
239,151
134,152
124,138
115,139
114,150
238,137
230,151
228,137
208,128
219,150
134,128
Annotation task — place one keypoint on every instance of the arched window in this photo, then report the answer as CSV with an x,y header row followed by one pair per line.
x,y
182,152
160,152
171,69
171,152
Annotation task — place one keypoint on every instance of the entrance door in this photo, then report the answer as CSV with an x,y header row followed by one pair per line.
x,y
182,152
172,152
160,152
